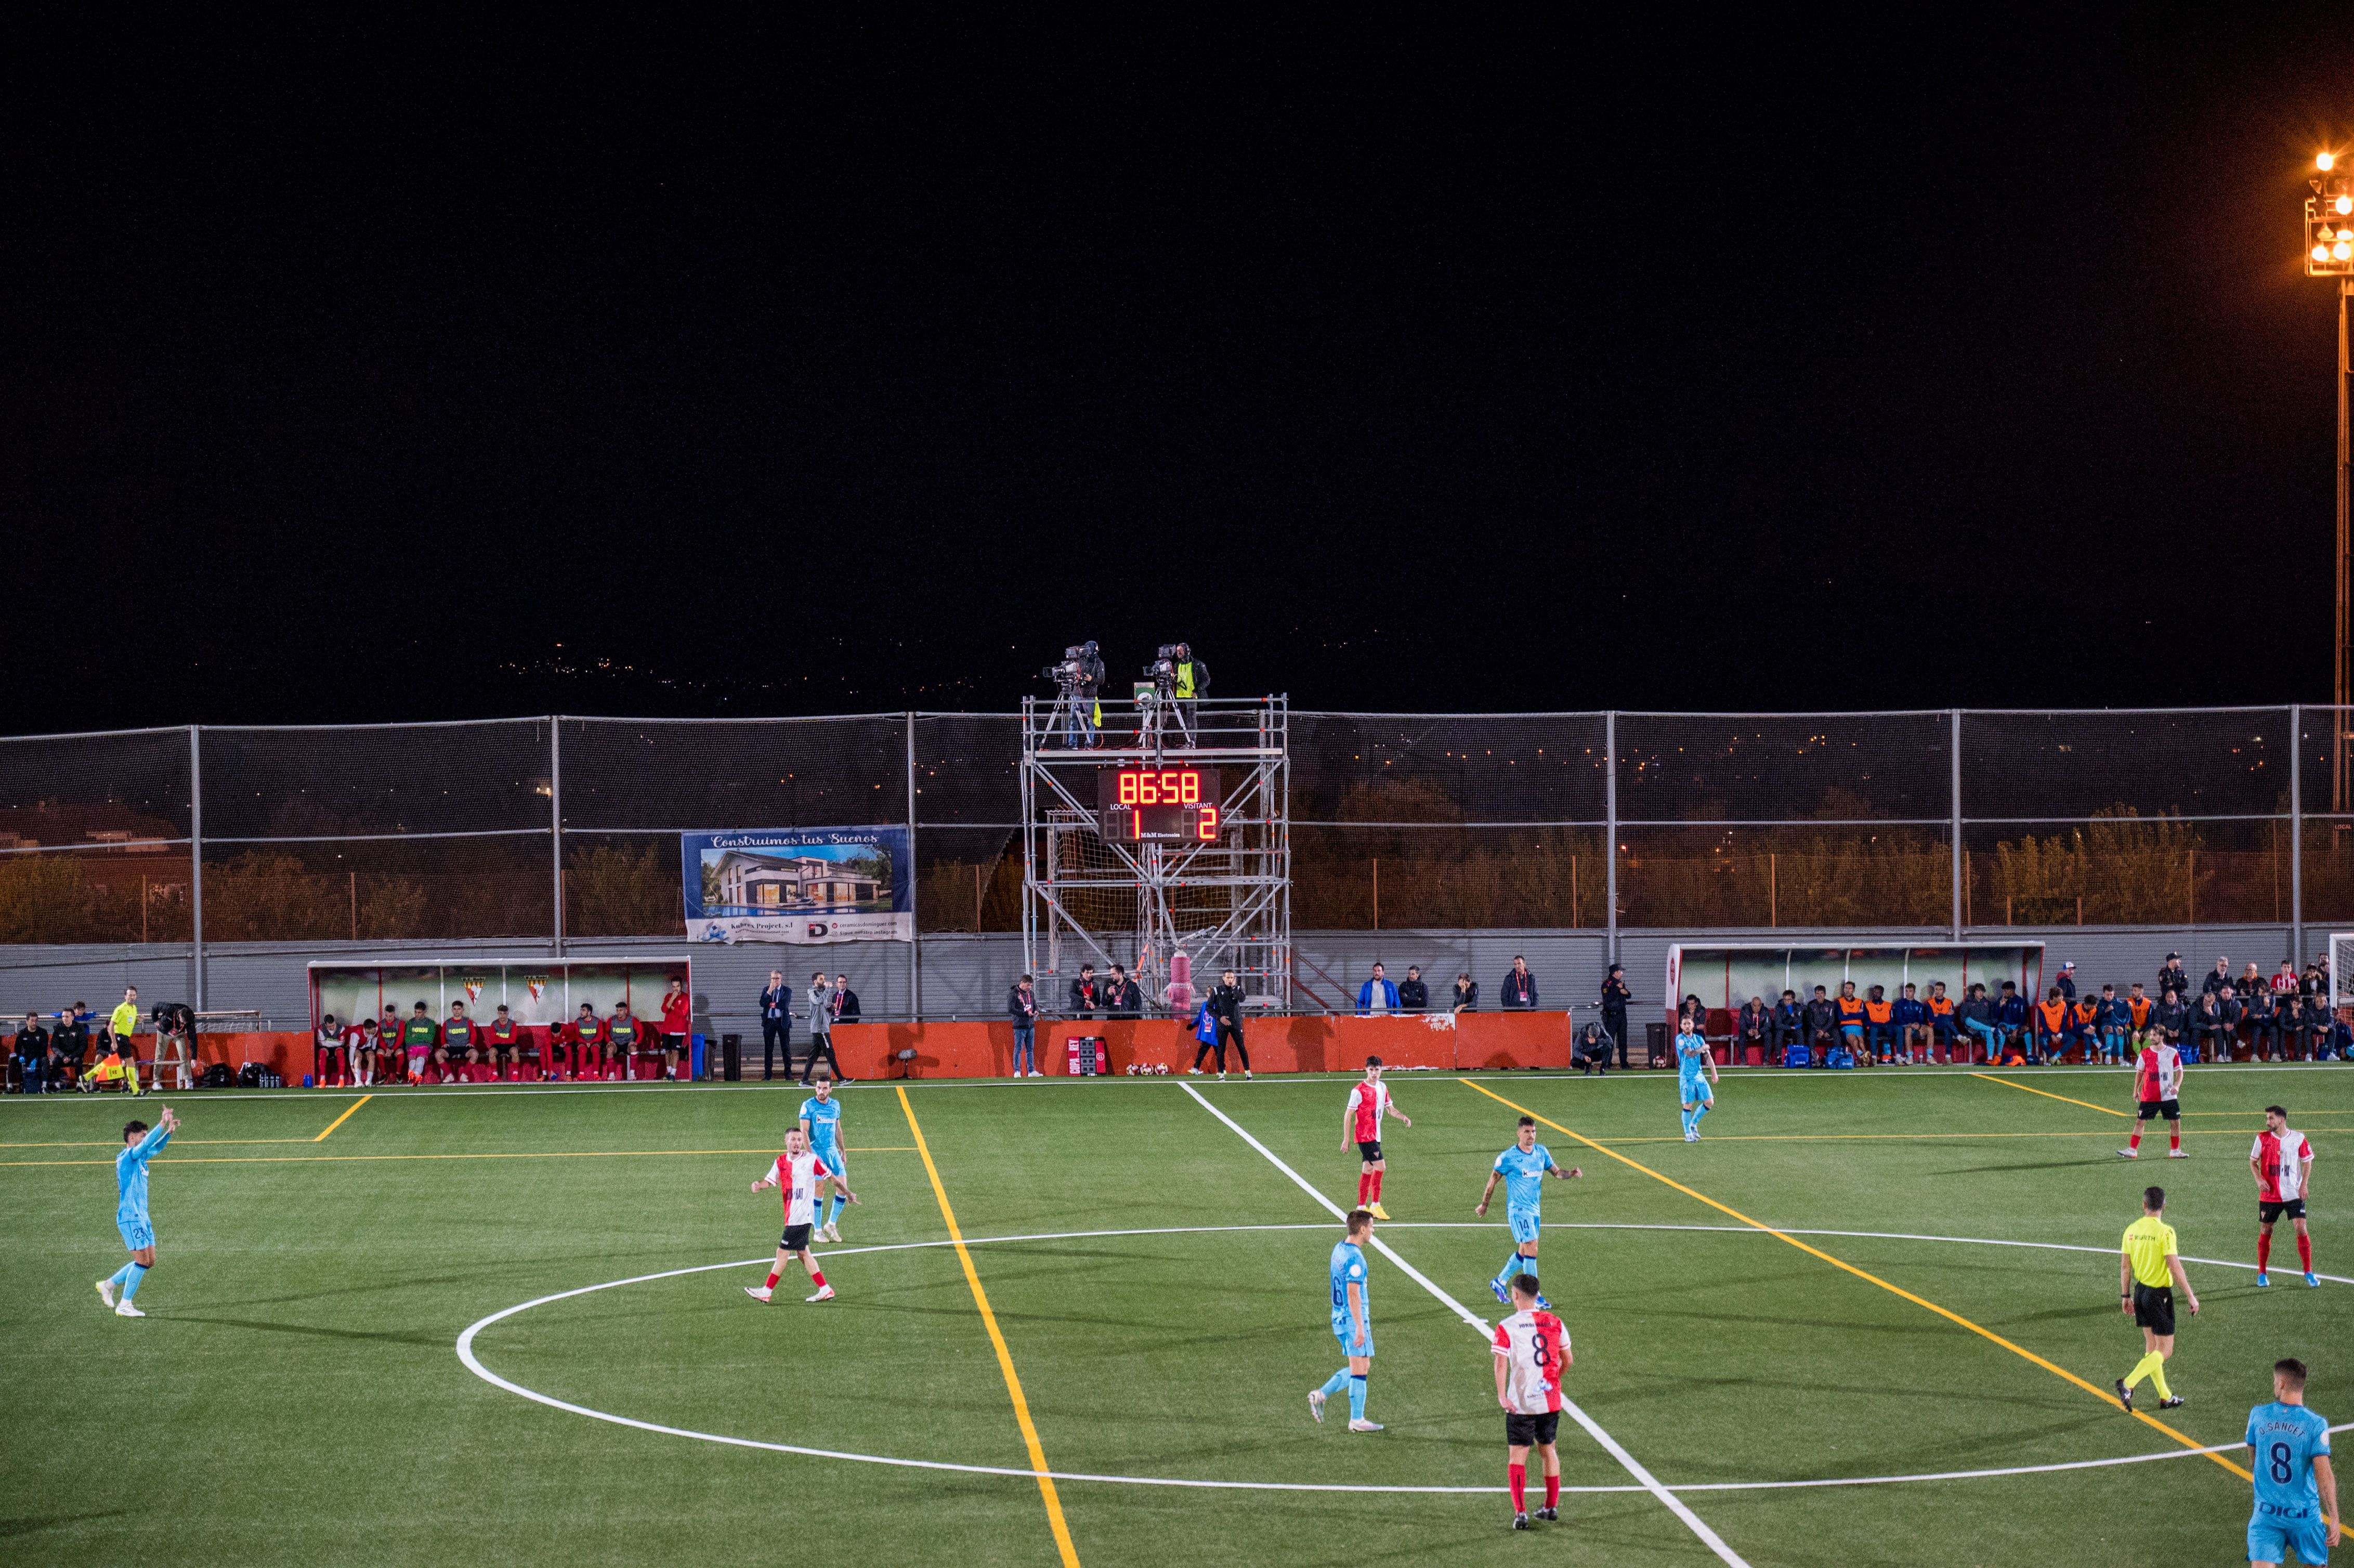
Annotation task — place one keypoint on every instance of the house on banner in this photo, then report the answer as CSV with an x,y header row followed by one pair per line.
x,y
752,883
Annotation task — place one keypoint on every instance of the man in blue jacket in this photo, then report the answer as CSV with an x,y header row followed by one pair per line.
x,y
775,1024
2011,1013
1376,995
1911,1017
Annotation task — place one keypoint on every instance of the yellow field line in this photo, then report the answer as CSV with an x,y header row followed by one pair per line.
x,y
359,1159
1004,1356
343,1118
2053,1367
2023,1089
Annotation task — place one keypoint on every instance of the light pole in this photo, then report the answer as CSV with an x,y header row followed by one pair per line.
x,y
2329,253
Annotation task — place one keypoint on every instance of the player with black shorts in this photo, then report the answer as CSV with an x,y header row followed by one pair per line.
x,y
2283,1162
1532,1351
2157,1086
2149,1266
1361,1123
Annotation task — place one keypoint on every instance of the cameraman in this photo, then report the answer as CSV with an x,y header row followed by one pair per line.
x,y
1192,685
1076,693
1091,679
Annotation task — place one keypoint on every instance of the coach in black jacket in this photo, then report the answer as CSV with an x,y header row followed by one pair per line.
x,y
1413,995
776,1024
1519,986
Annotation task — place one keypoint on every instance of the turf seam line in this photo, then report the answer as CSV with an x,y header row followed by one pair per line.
x,y
1610,1444
1037,1451
344,1118
1947,1313
2065,1099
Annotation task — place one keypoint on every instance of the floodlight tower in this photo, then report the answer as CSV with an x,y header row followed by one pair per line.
x,y
2329,253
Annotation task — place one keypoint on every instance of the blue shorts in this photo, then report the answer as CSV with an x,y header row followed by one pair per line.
x,y
137,1235
2267,1537
1342,1326
1524,1223
1852,1031
1693,1090
832,1156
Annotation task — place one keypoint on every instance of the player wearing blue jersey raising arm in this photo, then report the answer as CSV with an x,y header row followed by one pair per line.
x,y
1353,1324
821,1125
2296,1492
130,1211
1692,1059
1522,1170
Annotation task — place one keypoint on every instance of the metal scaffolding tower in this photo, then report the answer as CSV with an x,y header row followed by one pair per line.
x,y
1106,883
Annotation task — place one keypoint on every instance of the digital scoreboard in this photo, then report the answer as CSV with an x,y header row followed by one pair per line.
x,y
1158,805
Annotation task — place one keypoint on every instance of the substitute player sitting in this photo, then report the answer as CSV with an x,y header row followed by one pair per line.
x,y
2297,1490
1693,1059
1360,1122
1531,1352
2283,1161
2158,1085
1522,1170
1353,1324
796,1174
130,1211
820,1118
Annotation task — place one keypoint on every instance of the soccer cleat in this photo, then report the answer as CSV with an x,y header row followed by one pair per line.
x,y
1316,1404
1194,1070
1377,1211
2178,1154
2263,1279
106,1292
1544,1305
2129,1154
2124,1396
757,1292
832,1230
1495,1286
1222,1078
1247,1078
125,1310
1520,1521
2175,1401
1549,1514
824,1293
2313,1280
1362,1425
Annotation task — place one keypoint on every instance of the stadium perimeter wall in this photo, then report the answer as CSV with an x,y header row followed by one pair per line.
x,y
966,976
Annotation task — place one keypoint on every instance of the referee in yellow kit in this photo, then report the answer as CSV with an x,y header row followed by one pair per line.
x,y
2149,1271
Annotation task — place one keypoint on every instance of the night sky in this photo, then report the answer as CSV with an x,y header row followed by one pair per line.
x,y
359,372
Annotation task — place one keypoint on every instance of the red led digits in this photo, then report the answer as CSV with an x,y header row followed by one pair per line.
x,y
1206,827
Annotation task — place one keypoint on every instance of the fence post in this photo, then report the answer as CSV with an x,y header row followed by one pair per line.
x,y
2296,832
556,826
1958,824
1610,828
915,927
197,861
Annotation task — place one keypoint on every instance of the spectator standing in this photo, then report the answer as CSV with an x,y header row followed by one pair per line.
x,y
846,1009
1413,995
821,1006
677,1026
1125,999
2173,976
1519,986
1021,1007
2066,981
776,1024
1083,998
2217,978
1467,995
1225,1005
1616,995
1376,996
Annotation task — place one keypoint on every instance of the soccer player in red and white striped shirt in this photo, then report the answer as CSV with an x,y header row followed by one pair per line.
x,y
2157,1086
1531,1352
1361,1123
2283,1161
797,1173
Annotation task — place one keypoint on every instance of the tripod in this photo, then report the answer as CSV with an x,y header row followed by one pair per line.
x,y
1071,717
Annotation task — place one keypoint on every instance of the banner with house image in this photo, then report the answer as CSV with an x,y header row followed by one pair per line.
x,y
800,885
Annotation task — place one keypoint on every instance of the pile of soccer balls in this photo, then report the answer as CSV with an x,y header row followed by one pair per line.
x,y
1148,1069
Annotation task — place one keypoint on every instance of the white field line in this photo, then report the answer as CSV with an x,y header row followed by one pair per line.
x,y
1626,1461
466,1354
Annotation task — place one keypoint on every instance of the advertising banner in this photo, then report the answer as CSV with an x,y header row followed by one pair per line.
x,y
802,885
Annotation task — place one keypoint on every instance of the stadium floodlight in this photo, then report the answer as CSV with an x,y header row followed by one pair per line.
x,y
2329,253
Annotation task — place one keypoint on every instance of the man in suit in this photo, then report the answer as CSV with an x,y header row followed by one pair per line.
x,y
776,1024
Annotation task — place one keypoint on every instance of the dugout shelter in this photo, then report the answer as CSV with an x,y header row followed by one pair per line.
x,y
1724,975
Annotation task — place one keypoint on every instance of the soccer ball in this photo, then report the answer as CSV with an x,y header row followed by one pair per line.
x,y
1160,1069
1131,1069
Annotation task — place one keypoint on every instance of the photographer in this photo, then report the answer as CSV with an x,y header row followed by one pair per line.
x,y
1079,683
1192,685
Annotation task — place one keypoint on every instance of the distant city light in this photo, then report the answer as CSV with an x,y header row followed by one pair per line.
x,y
2324,161
2346,204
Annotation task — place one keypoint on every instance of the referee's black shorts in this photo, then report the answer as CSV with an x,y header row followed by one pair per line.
x,y
1530,1431
2153,1306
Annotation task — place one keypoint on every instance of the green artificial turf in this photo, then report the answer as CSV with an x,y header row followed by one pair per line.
x,y
296,1394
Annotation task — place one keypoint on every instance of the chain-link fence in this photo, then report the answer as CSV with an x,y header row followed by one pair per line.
x,y
551,829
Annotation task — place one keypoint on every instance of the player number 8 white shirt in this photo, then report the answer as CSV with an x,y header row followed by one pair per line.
x,y
1533,1345
797,1176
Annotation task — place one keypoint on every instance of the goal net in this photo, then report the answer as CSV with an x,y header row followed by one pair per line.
x,y
2341,958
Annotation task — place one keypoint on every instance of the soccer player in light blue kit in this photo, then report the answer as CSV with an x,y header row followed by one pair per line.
x,y
1692,1060
2296,1492
821,1125
1523,1169
1353,1324
130,1211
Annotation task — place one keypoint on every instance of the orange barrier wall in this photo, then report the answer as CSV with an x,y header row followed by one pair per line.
x,y
1284,1044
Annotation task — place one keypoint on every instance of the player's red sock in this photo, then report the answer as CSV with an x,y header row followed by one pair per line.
x,y
2174,1137
1377,1186
817,1278
1520,1477
1365,1185
1552,1490
2264,1252
2134,1142
773,1277
2305,1251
